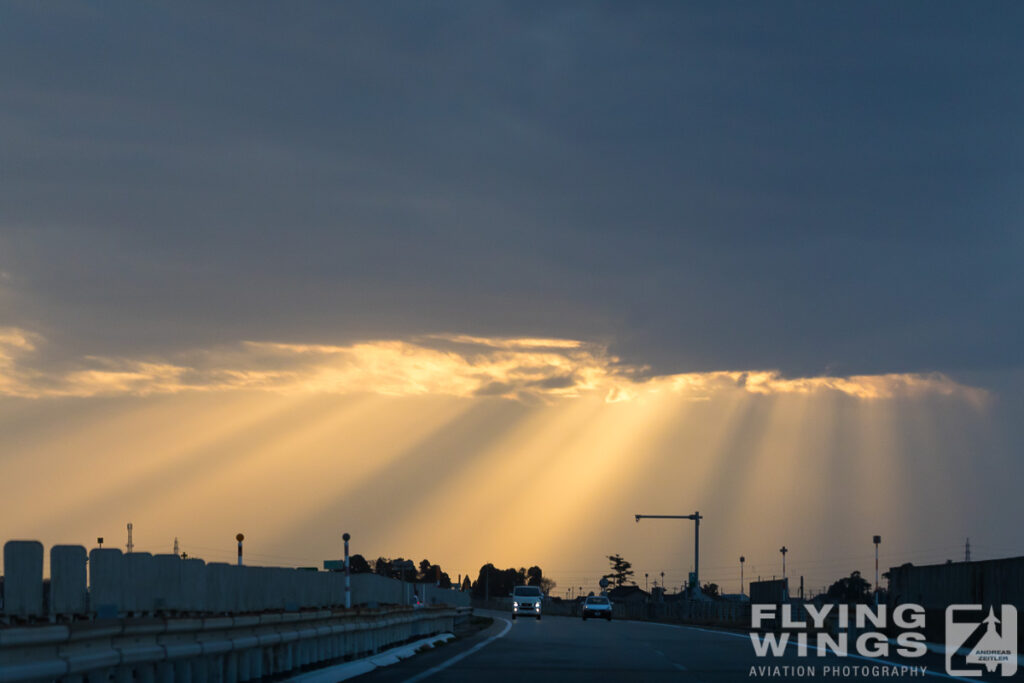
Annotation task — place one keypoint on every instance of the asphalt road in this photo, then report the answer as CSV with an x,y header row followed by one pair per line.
x,y
567,650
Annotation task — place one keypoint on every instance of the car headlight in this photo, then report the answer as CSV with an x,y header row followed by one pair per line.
x,y
515,604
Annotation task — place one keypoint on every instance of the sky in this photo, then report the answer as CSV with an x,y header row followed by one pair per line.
x,y
450,274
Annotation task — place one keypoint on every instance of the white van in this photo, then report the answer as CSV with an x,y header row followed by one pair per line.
x,y
526,601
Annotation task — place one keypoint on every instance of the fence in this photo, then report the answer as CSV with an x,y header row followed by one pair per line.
x,y
706,612
144,584
150,618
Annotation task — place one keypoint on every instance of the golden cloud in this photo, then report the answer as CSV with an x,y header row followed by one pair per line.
x,y
528,369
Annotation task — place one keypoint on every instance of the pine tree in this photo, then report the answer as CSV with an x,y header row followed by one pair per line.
x,y
621,571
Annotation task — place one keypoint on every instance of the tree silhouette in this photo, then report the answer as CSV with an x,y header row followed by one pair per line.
x,y
388,568
534,576
382,566
357,564
851,590
431,573
621,571
496,582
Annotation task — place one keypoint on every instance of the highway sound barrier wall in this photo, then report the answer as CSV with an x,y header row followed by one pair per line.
x,y
113,584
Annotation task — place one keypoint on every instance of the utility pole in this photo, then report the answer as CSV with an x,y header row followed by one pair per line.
x,y
176,549
348,574
130,546
696,517
967,550
646,585
783,550
742,560
877,539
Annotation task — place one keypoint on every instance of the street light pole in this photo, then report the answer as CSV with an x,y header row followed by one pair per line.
x,y
742,560
348,573
783,550
696,517
877,540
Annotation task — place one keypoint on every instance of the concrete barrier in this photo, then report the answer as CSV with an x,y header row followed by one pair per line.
x,y
709,612
105,585
23,579
168,595
165,585
368,589
433,595
68,592
193,585
217,597
139,579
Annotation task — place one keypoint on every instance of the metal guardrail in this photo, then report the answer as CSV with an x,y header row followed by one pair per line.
x,y
227,649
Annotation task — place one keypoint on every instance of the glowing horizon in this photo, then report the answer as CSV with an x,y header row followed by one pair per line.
x,y
408,445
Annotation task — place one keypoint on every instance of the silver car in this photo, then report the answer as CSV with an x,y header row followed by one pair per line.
x,y
526,601
597,606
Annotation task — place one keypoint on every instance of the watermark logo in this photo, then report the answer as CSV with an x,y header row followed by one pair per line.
x,y
990,641
979,640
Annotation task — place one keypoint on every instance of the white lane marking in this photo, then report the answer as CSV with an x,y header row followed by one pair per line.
x,y
358,667
927,672
462,655
678,666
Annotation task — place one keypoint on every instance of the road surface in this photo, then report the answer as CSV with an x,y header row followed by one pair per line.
x,y
566,650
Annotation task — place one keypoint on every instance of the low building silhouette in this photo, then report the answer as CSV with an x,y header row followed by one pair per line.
x,y
773,592
988,583
628,595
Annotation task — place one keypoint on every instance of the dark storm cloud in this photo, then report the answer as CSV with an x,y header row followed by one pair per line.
x,y
814,188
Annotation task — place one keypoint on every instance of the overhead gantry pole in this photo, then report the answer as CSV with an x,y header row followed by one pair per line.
x,y
696,517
